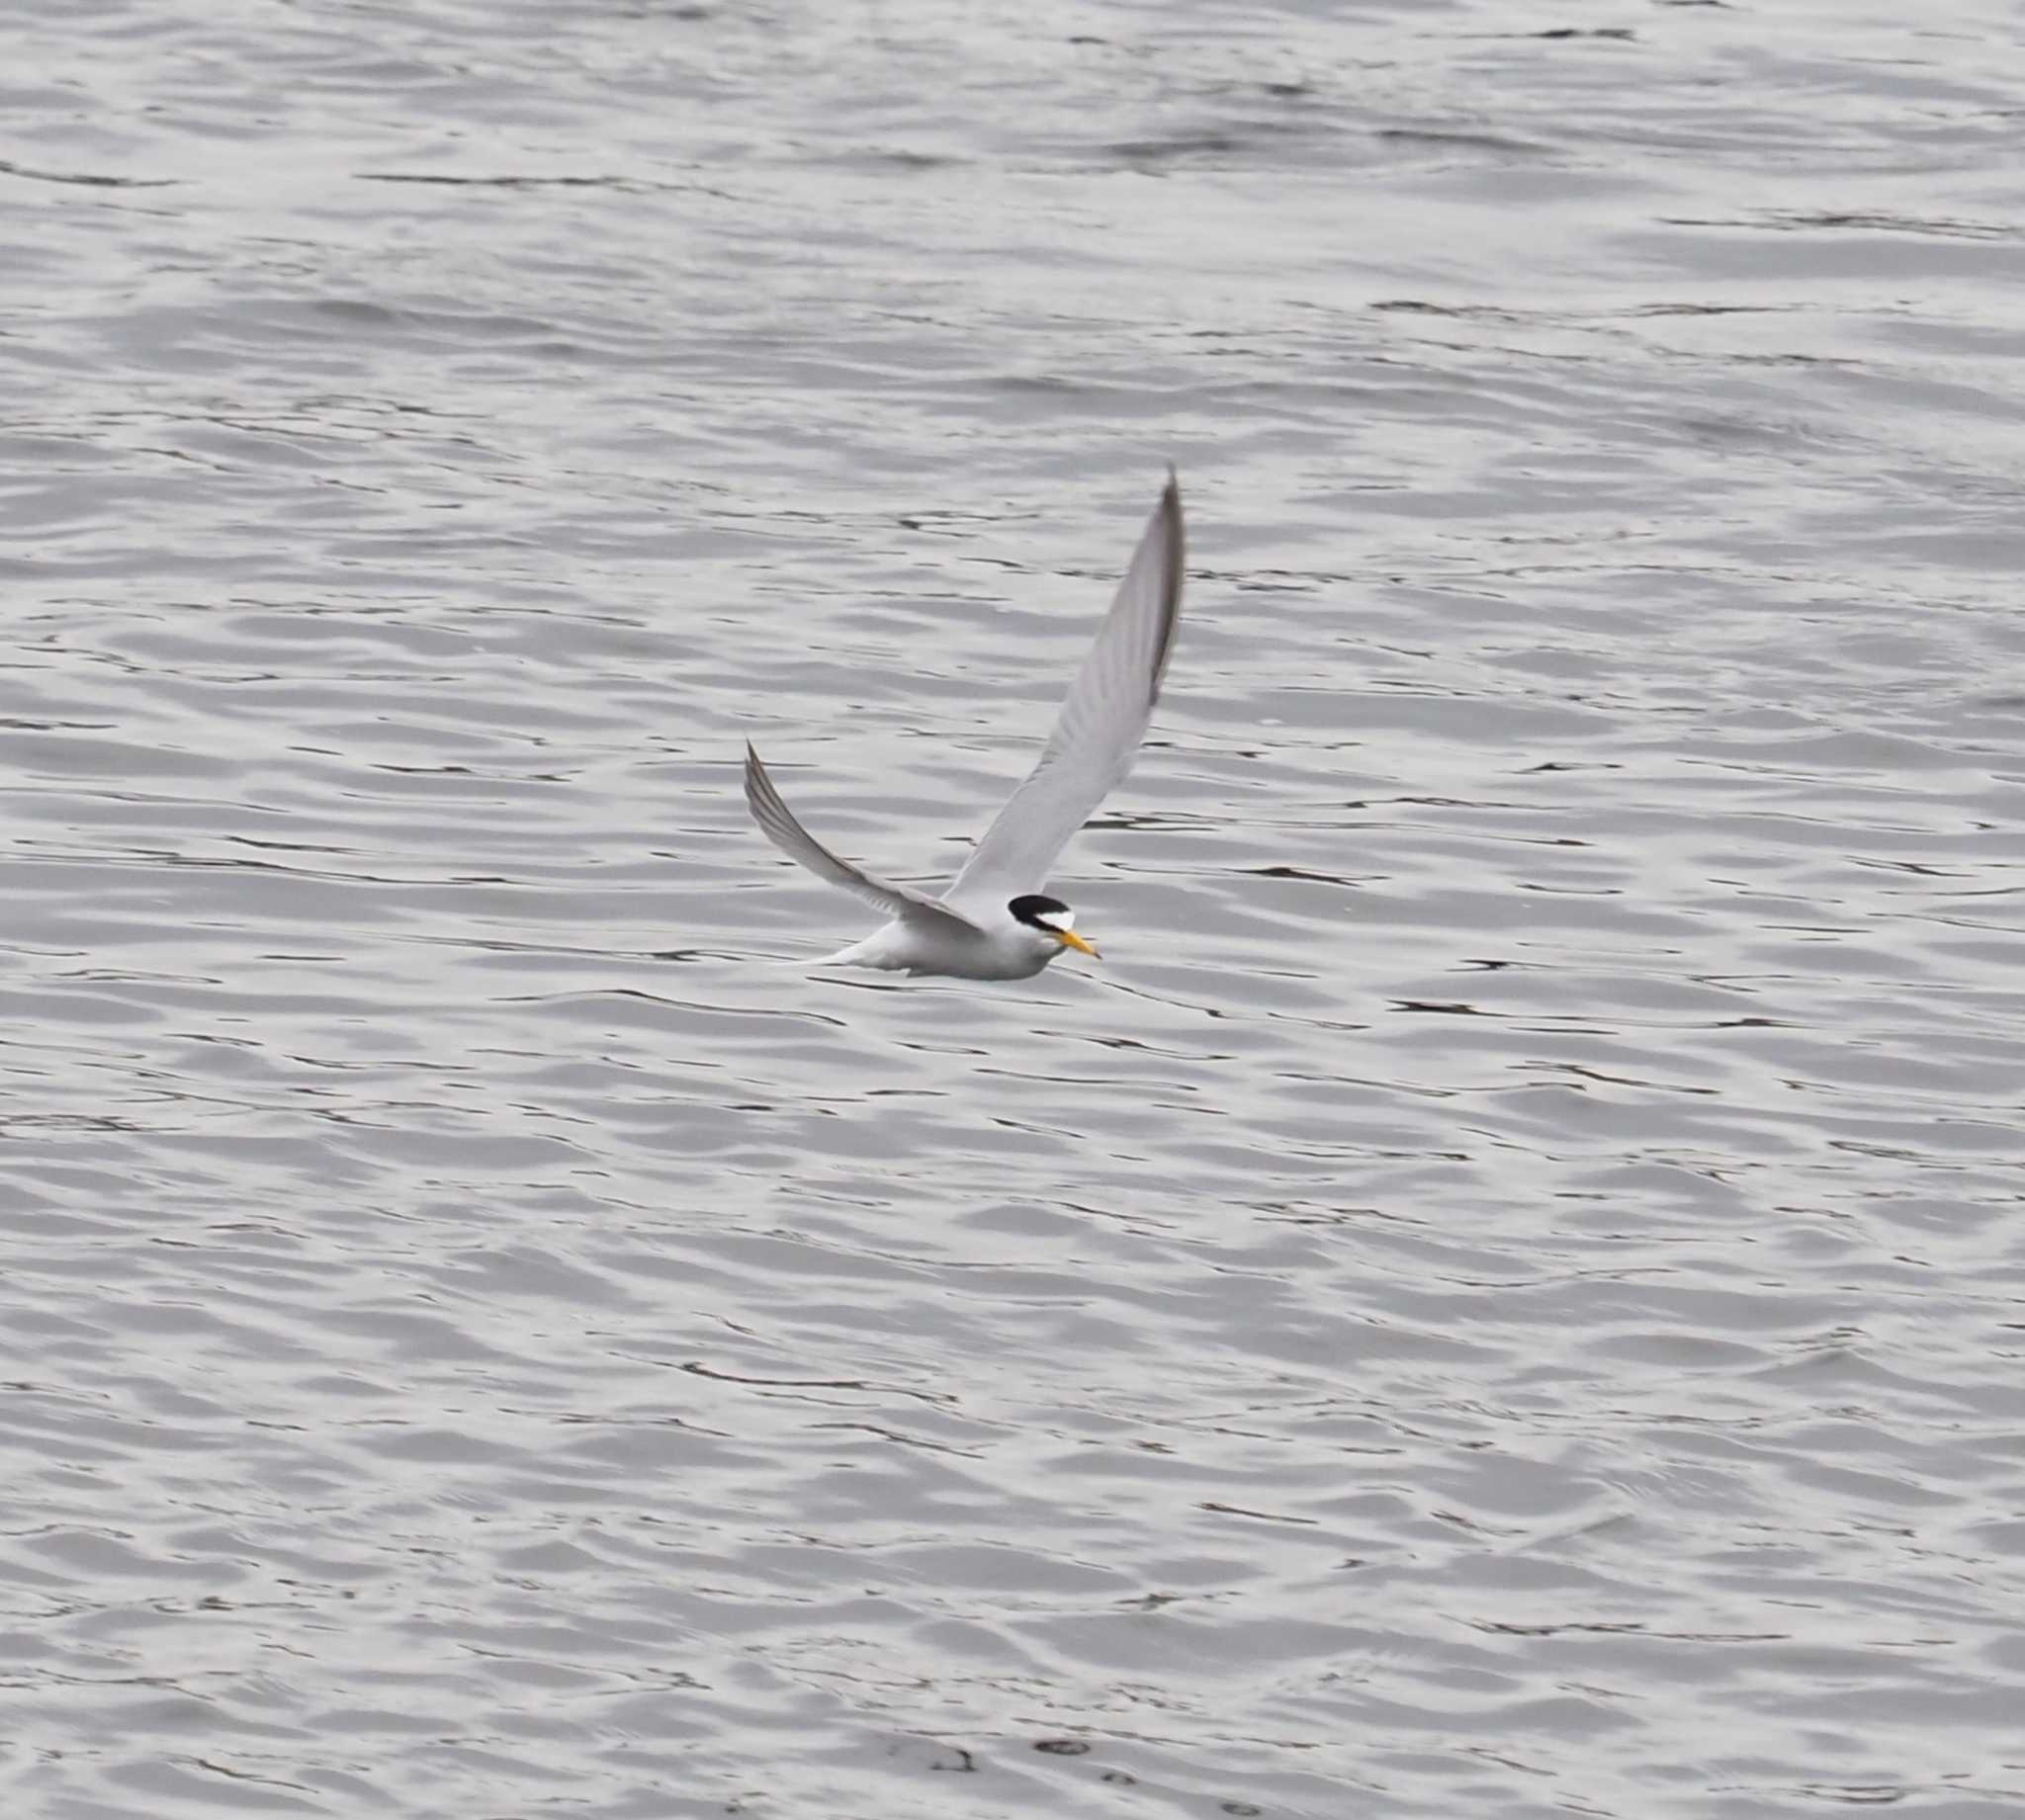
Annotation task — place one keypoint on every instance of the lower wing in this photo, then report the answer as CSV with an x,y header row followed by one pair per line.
x,y
777,822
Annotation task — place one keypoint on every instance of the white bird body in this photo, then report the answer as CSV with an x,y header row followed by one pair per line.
x,y
994,922
900,947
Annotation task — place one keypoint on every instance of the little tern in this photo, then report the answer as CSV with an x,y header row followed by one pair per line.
x,y
997,920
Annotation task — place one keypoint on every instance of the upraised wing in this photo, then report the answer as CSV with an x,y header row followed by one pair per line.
x,y
776,820
1101,723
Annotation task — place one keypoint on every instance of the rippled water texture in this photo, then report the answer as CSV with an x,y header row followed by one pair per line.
x,y
1502,1297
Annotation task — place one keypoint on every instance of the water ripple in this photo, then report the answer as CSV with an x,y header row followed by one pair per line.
x,y
1499,1296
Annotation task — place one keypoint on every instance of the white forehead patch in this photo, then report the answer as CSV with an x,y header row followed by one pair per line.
x,y
1059,918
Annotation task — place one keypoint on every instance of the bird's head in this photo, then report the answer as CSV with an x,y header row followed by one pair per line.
x,y
1051,919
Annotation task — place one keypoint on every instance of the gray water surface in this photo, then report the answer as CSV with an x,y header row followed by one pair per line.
x,y
1503,1296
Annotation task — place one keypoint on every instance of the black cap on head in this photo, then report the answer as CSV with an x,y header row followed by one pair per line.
x,y
1033,909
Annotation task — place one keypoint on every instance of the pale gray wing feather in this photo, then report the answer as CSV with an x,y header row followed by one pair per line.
x,y
1102,722
777,822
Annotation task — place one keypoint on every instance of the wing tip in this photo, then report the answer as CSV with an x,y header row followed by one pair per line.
x,y
1177,574
1177,531
760,796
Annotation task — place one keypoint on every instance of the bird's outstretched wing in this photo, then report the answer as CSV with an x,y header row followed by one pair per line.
x,y
1102,722
776,820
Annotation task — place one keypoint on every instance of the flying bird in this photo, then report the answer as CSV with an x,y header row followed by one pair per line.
x,y
996,922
